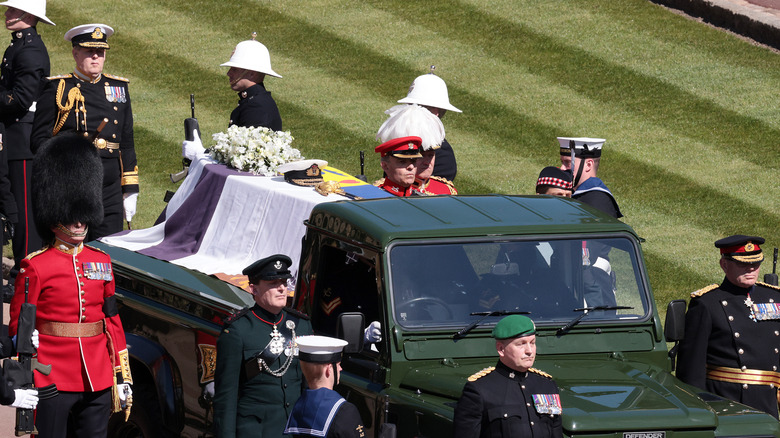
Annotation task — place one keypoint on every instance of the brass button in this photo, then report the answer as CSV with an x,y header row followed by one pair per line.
x,y
741,351
745,386
736,335
725,303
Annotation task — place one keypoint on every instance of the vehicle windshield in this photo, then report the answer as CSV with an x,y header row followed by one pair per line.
x,y
441,285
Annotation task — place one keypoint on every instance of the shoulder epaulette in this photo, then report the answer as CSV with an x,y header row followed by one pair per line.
x,y
771,286
232,318
450,184
704,290
96,249
379,182
35,253
481,373
118,78
540,372
297,313
54,78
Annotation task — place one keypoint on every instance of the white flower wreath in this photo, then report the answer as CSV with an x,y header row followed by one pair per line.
x,y
257,150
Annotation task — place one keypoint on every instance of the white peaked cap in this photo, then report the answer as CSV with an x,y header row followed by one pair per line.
x,y
429,90
252,55
300,165
34,7
320,349
583,146
412,120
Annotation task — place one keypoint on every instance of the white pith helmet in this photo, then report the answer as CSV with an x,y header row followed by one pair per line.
x,y
252,55
32,7
429,90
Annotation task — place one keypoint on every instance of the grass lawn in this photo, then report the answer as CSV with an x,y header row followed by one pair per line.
x,y
690,113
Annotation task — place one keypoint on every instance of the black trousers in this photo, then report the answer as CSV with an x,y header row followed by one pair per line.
x,y
88,412
26,238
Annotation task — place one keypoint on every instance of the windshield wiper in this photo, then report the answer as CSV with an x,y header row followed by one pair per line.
x,y
465,330
585,310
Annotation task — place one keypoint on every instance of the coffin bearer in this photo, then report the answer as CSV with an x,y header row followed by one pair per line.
x,y
97,106
511,399
414,120
72,285
321,411
732,330
258,378
22,72
583,159
399,162
430,91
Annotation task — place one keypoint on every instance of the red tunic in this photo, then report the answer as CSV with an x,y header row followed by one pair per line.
x,y
394,188
69,285
436,186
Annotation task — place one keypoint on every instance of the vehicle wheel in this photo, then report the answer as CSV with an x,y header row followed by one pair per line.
x,y
140,424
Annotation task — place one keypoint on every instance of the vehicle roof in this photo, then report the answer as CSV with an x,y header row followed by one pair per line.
x,y
379,221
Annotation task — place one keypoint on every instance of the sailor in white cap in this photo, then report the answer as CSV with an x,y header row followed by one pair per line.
x,y
321,411
581,156
96,105
25,65
430,91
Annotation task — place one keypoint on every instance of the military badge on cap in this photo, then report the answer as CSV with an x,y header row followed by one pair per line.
x,y
304,172
402,147
270,268
745,249
93,35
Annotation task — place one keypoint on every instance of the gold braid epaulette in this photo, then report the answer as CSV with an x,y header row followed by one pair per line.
x,y
118,78
481,373
379,182
704,290
35,253
74,98
450,184
771,286
540,372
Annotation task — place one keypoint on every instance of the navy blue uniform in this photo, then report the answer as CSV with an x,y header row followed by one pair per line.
x,y
104,98
719,332
249,401
22,77
508,403
324,413
256,108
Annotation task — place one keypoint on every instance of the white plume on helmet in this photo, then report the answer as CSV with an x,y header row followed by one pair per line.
x,y
406,120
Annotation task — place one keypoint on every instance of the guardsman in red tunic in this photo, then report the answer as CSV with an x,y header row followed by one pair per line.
x,y
399,161
72,285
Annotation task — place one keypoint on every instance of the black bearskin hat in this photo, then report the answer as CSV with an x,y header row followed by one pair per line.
x,y
67,184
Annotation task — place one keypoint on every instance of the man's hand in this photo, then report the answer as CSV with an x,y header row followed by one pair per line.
x,y
25,398
192,149
130,201
373,333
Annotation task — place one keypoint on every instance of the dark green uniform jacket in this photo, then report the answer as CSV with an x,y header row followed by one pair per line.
x,y
248,402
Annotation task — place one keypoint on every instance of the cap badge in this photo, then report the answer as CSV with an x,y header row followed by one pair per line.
x,y
278,264
750,247
411,146
97,33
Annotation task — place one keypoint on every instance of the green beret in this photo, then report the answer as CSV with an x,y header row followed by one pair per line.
x,y
514,326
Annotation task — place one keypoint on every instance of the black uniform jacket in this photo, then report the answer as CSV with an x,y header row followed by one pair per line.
x,y
719,331
501,404
256,108
259,404
104,98
22,78
445,165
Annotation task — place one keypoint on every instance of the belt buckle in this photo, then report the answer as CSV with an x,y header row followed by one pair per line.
x,y
100,143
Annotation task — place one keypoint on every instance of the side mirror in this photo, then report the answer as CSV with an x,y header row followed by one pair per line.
x,y
349,327
674,326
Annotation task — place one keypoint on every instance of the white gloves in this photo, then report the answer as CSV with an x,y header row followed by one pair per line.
x,y
33,339
25,398
130,201
192,149
125,391
373,333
